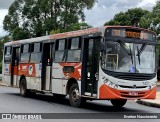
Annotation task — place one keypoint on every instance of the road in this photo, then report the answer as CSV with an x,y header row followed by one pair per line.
x,y
12,102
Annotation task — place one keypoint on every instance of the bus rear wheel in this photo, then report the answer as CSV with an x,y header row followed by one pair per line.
x,y
118,103
23,88
74,96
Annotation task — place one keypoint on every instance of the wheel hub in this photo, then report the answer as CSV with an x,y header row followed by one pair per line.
x,y
75,95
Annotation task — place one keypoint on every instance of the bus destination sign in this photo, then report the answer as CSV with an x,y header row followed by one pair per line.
x,y
138,34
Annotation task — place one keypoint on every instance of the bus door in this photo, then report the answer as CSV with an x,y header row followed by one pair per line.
x,y
14,66
46,65
90,66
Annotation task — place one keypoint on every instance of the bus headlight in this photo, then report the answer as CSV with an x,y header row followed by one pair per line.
x,y
105,81
149,87
112,85
116,86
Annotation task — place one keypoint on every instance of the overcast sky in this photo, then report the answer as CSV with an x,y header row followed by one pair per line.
x,y
103,11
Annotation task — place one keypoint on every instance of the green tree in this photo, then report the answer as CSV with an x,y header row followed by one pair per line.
x,y
152,20
146,21
77,26
2,41
126,18
73,27
33,18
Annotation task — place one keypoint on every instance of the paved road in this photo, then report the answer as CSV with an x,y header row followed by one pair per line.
x,y
12,102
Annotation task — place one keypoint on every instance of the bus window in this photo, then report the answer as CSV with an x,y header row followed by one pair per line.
x,y
61,45
74,51
75,43
60,51
36,53
7,57
8,50
24,53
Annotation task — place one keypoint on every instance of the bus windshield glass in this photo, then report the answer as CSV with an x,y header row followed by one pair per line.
x,y
121,56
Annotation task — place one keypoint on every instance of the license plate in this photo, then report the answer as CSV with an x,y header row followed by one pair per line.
x,y
133,93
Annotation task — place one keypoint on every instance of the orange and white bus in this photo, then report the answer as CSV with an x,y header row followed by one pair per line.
x,y
116,63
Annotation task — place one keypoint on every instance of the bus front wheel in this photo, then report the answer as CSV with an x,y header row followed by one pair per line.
x,y
74,96
118,103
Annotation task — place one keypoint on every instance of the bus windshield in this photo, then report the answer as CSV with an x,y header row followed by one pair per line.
x,y
120,56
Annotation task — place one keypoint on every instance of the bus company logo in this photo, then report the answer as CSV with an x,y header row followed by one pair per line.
x,y
134,86
24,67
30,70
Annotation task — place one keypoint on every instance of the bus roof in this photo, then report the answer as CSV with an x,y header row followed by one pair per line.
x,y
71,34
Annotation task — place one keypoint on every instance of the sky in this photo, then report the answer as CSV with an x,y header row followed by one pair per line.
x,y
103,10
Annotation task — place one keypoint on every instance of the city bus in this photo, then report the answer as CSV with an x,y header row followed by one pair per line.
x,y
115,63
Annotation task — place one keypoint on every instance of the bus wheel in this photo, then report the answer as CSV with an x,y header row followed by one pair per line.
x,y
74,96
23,88
118,103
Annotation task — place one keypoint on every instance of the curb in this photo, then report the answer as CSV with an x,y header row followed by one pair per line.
x,y
2,84
148,103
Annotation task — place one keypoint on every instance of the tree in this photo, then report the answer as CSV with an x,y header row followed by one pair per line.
x,y
152,20
126,18
33,18
2,41
73,27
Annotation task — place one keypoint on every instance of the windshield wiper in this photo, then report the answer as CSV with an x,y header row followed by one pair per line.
x,y
131,54
125,48
139,52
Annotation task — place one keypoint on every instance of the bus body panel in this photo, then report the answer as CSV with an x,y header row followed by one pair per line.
x,y
7,74
61,75
32,73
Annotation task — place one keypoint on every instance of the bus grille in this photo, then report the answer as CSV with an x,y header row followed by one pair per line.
x,y
137,87
135,78
131,76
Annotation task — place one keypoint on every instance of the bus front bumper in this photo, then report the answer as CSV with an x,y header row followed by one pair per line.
x,y
107,92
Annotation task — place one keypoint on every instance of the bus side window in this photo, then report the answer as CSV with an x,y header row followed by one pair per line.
x,y
36,50
74,50
7,56
60,51
25,53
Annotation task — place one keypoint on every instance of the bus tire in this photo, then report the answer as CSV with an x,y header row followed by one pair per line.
x,y
118,103
74,96
23,88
